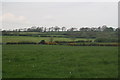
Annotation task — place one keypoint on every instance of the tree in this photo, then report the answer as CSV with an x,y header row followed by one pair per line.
x,y
45,29
103,27
117,29
72,29
108,29
63,28
84,29
56,28
99,29
52,28
49,29
93,29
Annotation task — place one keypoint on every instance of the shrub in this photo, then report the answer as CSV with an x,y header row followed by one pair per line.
x,y
11,42
22,42
26,42
42,42
81,41
72,44
51,43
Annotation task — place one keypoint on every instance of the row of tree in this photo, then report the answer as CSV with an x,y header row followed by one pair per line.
x,y
58,29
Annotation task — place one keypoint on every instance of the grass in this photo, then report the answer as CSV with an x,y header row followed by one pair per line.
x,y
33,39
58,61
0,61
0,39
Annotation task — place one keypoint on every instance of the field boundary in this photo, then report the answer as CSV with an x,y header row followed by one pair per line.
x,y
69,44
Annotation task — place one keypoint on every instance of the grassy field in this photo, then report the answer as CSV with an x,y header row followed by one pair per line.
x,y
58,61
0,39
0,61
34,39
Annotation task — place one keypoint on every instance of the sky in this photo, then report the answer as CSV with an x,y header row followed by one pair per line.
x,y
47,14
60,0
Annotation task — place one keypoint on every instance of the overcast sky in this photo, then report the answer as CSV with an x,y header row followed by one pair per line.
x,y
59,0
68,14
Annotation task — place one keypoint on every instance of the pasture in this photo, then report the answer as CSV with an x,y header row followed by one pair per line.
x,y
35,39
0,39
0,61
59,61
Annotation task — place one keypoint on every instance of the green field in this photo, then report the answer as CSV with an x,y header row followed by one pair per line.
x,y
0,61
58,61
35,39
0,39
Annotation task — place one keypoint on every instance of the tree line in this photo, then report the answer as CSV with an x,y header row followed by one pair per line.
x,y
64,29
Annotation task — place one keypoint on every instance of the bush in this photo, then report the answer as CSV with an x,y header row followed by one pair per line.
x,y
51,43
82,41
42,42
72,44
11,43
23,42
26,42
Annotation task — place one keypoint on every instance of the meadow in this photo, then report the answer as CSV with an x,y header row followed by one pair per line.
x,y
35,39
0,61
59,61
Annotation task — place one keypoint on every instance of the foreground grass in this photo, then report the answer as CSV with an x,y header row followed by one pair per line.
x,y
55,61
0,39
0,61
